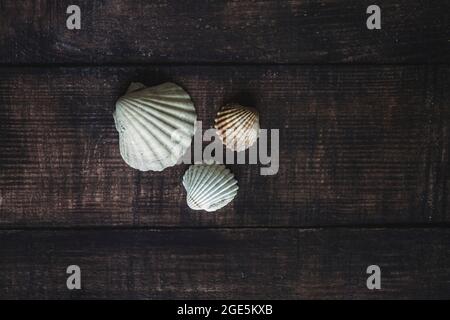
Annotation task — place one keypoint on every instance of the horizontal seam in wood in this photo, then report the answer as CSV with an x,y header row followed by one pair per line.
x,y
158,228
209,64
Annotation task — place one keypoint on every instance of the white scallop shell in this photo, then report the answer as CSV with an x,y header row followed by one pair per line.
x,y
155,125
237,126
209,187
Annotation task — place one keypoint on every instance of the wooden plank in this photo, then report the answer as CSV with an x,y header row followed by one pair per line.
x,y
358,145
442,175
297,31
226,263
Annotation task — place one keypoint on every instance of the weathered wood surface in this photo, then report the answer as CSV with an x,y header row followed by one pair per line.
x,y
444,177
238,31
365,147
226,263
358,145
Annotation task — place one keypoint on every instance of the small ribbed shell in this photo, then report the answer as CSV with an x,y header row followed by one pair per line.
x,y
237,126
209,187
155,125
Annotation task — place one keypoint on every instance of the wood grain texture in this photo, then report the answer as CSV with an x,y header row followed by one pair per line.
x,y
364,150
442,176
297,31
358,145
226,264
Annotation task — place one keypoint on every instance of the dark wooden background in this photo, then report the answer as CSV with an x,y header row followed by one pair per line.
x,y
364,120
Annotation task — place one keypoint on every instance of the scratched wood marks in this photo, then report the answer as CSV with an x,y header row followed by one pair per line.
x,y
358,145
237,31
364,148
194,264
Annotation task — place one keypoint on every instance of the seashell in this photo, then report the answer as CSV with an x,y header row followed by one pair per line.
x,y
209,187
155,125
237,126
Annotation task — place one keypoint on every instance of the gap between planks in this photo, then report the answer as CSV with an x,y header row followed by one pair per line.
x,y
407,226
214,64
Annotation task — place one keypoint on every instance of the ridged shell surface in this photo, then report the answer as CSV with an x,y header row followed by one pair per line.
x,y
237,126
209,187
155,125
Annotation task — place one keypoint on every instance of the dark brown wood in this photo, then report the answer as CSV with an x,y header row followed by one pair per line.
x,y
228,264
364,150
358,145
238,31
442,176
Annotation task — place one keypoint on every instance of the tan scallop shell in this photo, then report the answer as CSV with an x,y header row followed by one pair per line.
x,y
237,126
